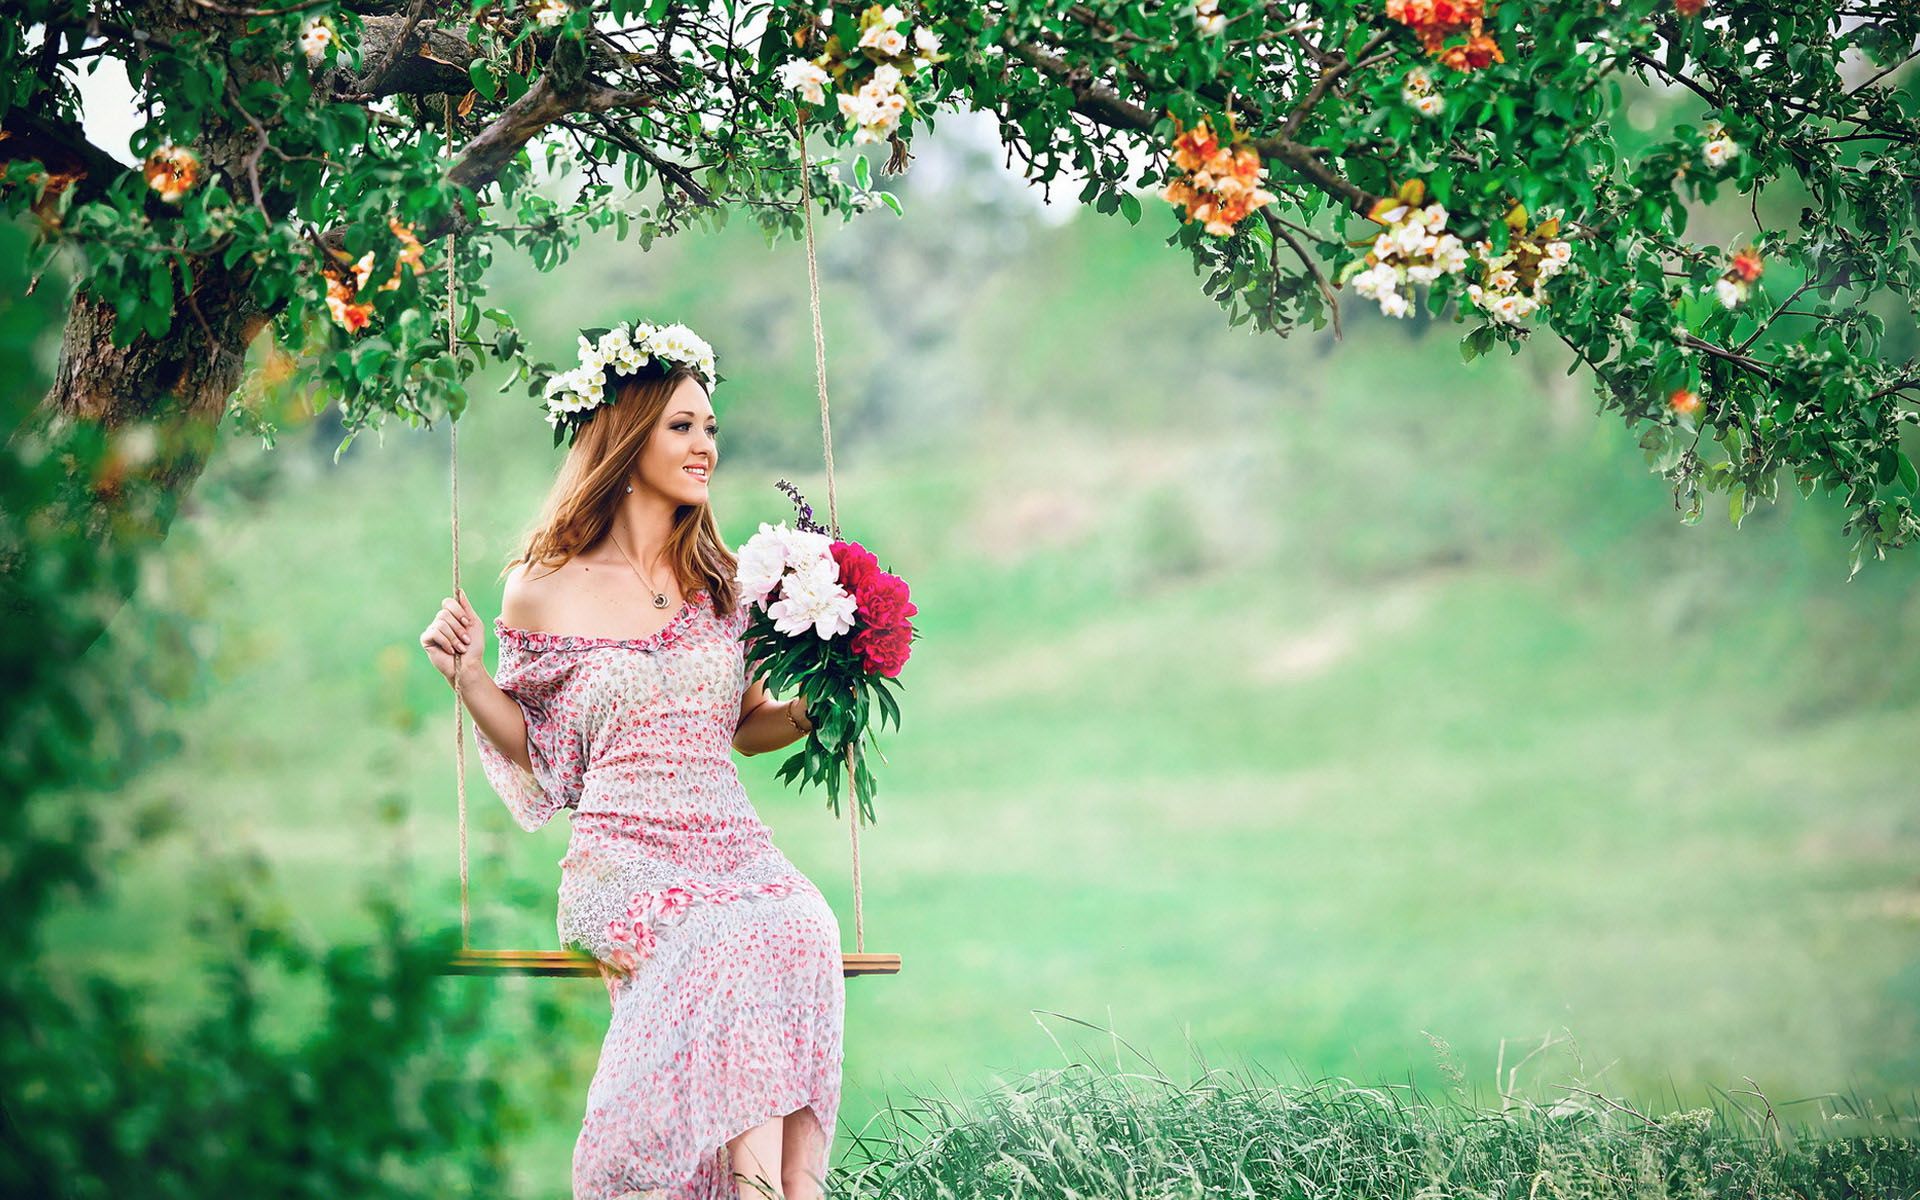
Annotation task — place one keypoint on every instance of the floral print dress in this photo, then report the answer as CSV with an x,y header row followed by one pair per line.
x,y
722,961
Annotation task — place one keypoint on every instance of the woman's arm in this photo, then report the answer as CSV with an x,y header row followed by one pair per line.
x,y
768,724
497,716
456,641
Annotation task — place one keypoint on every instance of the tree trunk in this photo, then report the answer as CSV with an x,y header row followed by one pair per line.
x,y
150,410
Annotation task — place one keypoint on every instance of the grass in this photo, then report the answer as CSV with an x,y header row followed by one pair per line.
x,y
1348,699
1090,1129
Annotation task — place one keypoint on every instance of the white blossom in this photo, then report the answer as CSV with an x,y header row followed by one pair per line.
x,y
1377,281
884,38
806,77
315,36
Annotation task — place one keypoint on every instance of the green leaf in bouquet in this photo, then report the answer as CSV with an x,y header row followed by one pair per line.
x,y
889,707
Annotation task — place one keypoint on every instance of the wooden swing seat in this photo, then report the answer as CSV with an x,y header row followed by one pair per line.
x,y
573,964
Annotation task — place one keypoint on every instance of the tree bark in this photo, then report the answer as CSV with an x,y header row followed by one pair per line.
x,y
158,403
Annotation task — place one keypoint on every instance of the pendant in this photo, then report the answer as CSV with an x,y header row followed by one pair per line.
x,y
659,600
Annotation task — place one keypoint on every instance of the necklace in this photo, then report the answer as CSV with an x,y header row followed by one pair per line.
x,y
659,597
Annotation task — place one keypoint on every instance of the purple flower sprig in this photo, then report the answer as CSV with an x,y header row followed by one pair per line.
x,y
804,521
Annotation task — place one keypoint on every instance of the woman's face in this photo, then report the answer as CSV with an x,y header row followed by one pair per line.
x,y
681,451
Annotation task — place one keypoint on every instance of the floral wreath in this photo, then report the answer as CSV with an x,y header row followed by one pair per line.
x,y
628,349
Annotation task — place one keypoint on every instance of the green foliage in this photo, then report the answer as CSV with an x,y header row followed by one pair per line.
x,y
846,705
649,122
378,1094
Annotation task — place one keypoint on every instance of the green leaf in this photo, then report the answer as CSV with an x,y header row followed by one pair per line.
x,y
482,76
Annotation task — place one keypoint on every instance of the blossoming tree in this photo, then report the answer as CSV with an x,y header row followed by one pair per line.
x,y
316,168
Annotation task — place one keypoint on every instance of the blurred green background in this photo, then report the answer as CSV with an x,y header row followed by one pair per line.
x,y
1293,702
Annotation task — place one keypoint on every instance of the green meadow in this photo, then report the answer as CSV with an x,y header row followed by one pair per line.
x,y
1335,707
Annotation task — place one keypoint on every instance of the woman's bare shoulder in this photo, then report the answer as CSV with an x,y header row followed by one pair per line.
x,y
529,593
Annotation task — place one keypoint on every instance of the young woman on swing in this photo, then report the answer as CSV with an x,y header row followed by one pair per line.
x,y
622,688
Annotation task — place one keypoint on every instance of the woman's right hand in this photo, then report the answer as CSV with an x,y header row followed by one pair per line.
x,y
456,641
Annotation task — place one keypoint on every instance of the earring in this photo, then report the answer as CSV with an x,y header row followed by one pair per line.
x,y
629,489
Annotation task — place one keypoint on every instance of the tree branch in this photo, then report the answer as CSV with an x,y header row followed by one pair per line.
x,y
1102,105
1339,70
415,58
1279,230
63,149
559,93
377,80
673,172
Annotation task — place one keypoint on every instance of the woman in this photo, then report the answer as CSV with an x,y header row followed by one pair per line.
x,y
622,686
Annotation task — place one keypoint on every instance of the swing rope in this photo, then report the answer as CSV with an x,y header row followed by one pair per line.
x,y
833,521
833,507
459,702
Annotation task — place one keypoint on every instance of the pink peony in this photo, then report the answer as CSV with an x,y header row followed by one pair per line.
x,y
882,601
857,565
883,650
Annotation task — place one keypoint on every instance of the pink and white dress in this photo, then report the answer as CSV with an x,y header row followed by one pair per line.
x,y
728,999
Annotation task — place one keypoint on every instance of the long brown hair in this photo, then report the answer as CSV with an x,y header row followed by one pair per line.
x,y
580,507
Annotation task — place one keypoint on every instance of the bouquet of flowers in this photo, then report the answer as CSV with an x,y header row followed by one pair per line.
x,y
825,621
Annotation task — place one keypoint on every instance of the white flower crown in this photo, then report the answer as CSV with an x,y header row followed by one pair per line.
x,y
626,349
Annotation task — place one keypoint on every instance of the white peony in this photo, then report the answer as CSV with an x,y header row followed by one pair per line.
x,y
761,562
813,599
